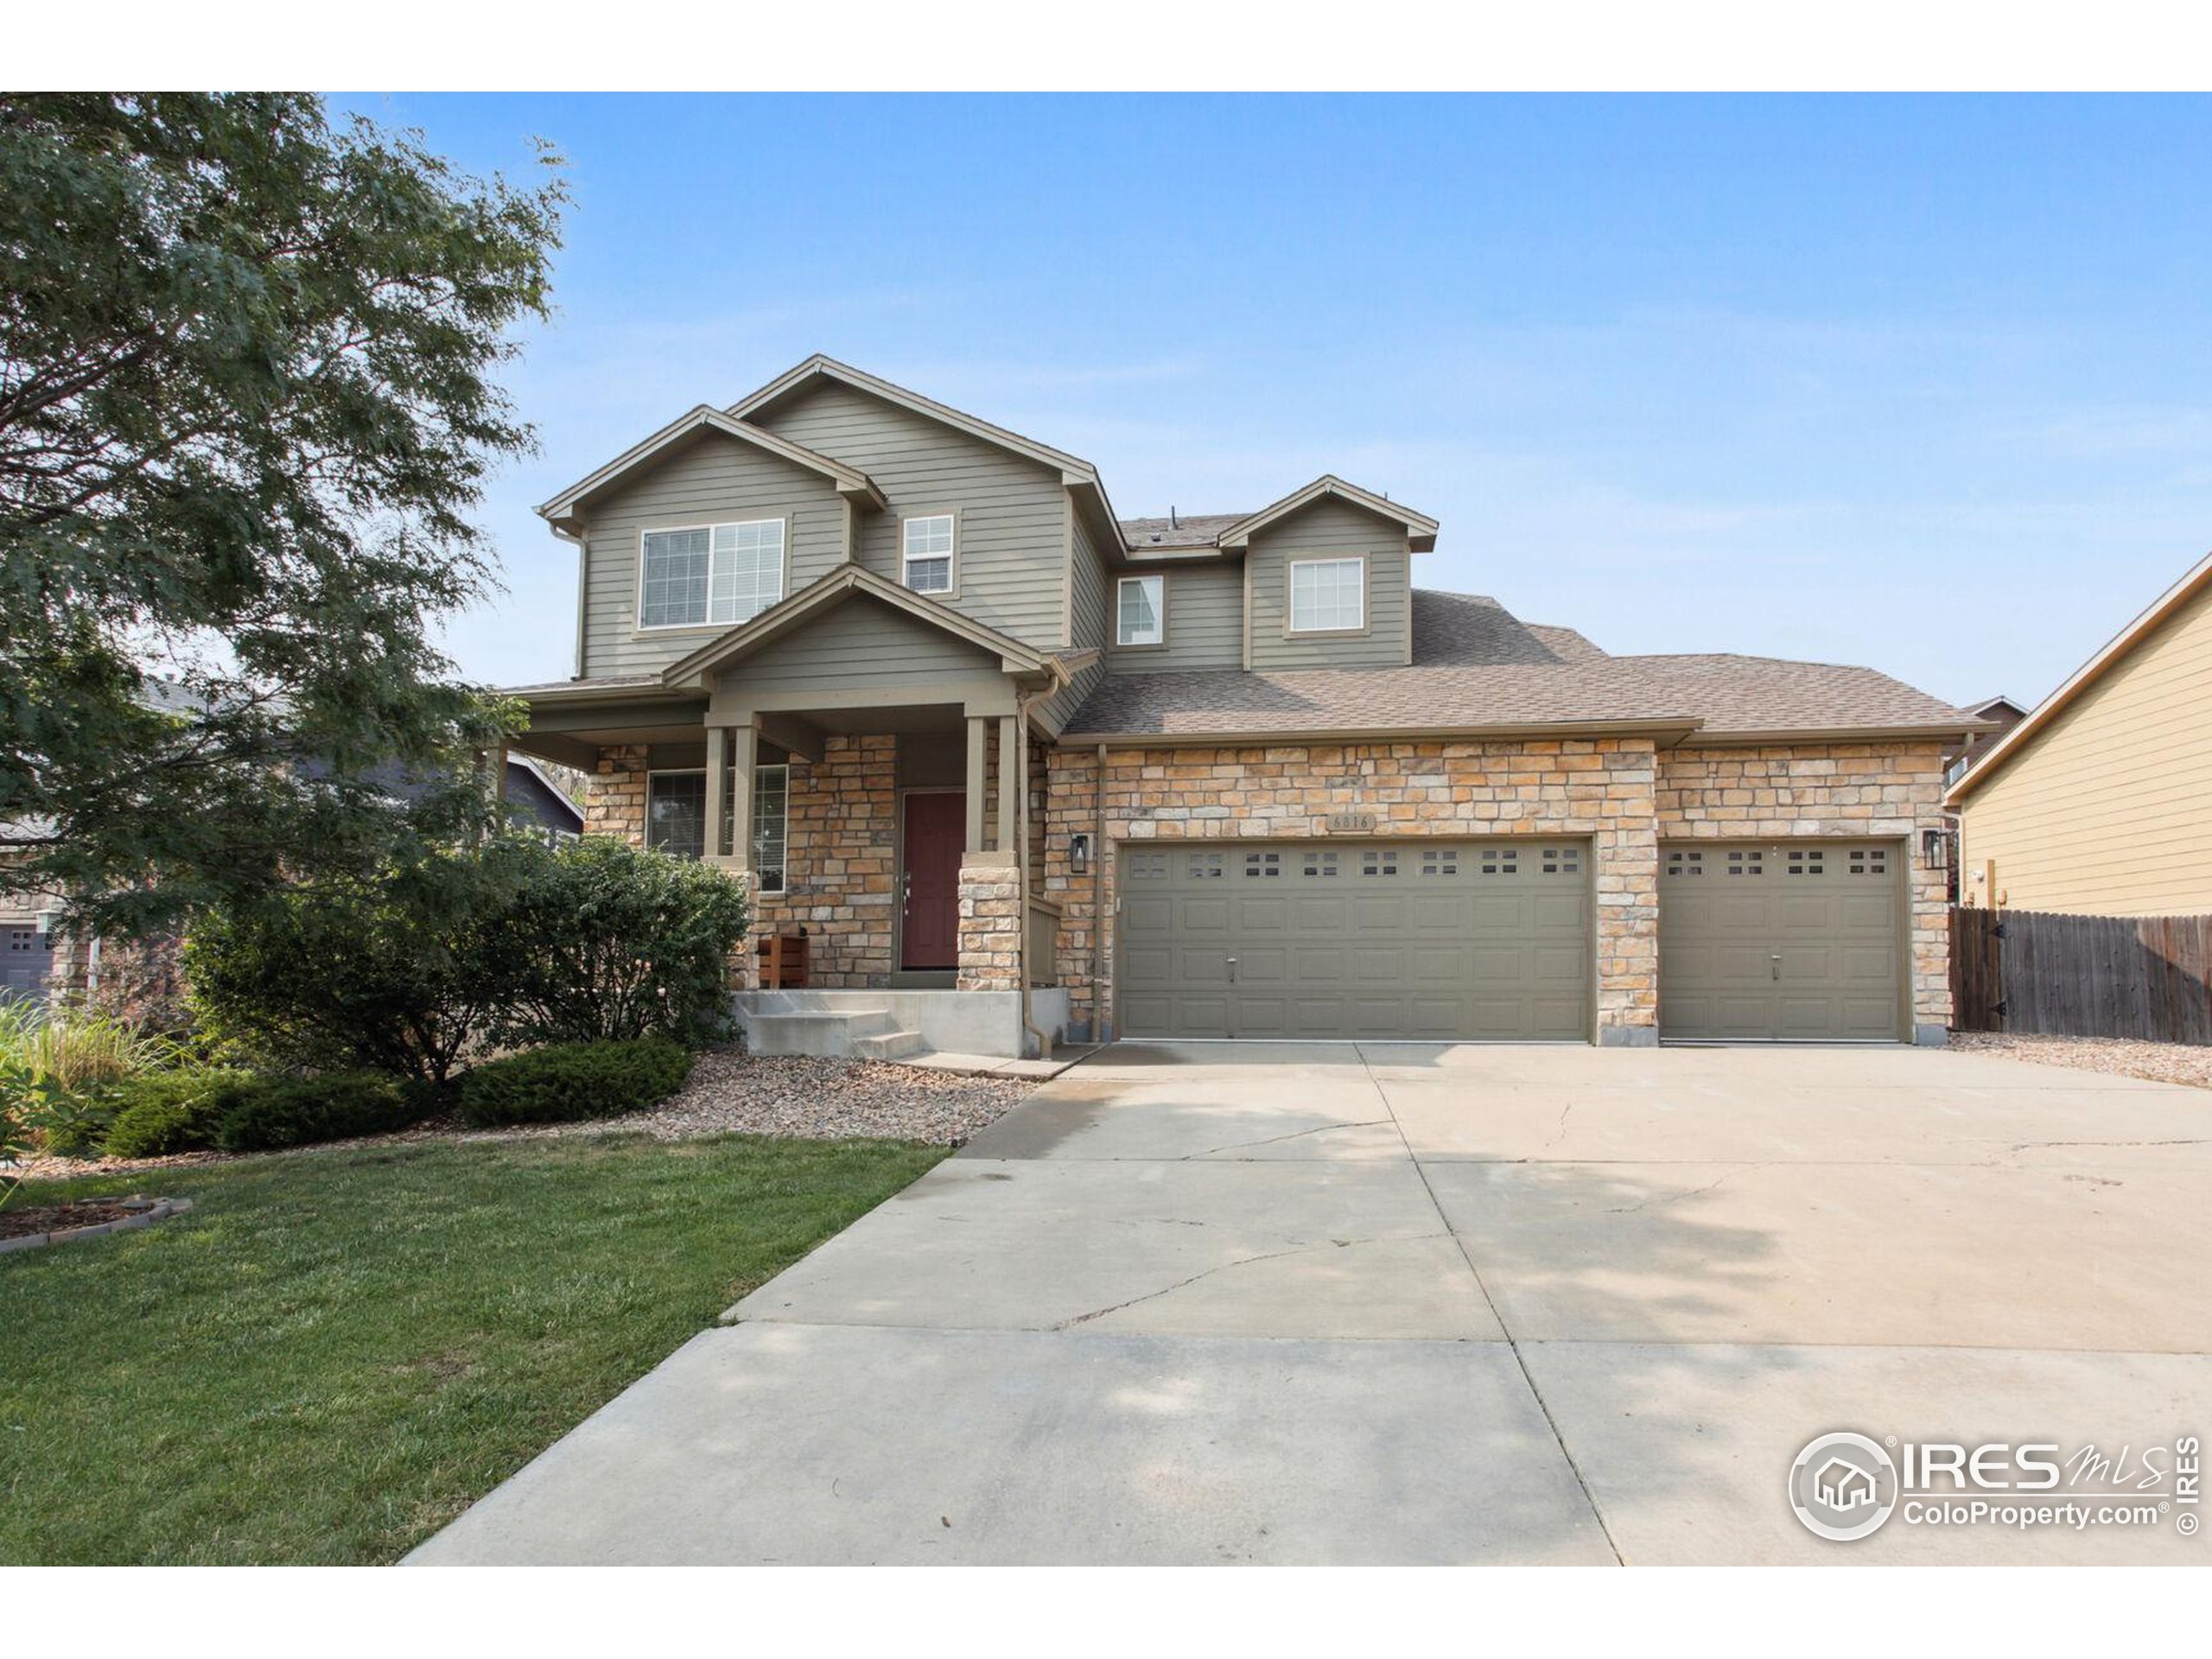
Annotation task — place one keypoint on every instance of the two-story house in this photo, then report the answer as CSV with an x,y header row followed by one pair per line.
x,y
1019,767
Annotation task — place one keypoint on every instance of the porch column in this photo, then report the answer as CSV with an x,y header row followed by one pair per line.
x,y
717,785
744,749
978,743
1009,781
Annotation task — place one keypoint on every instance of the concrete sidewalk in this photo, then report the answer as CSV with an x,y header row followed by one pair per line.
x,y
1403,1303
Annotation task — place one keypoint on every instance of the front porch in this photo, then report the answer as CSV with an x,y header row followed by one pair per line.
x,y
882,798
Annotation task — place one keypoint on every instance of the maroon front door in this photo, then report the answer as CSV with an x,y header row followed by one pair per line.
x,y
935,825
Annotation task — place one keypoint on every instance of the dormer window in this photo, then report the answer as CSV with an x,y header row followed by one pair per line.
x,y
1141,611
710,574
1328,595
928,553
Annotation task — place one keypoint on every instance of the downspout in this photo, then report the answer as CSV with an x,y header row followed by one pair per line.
x,y
1098,905
1022,704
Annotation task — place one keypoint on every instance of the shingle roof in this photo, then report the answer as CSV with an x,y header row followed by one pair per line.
x,y
1478,666
1473,628
1184,530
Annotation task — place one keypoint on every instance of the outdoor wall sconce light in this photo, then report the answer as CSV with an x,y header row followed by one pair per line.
x,y
1079,854
1935,852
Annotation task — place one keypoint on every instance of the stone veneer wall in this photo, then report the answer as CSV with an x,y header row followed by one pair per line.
x,y
840,862
1835,790
841,855
990,928
615,794
1598,787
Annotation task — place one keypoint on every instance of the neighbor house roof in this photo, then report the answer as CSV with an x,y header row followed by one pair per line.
x,y
2116,649
848,482
1478,668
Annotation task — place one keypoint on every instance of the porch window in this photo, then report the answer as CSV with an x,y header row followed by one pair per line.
x,y
1141,611
1328,595
676,812
675,817
710,574
928,554
771,825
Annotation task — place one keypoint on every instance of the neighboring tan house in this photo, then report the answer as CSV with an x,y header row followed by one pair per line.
x,y
909,673
2099,802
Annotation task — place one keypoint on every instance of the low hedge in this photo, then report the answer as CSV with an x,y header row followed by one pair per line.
x,y
567,1082
274,1113
203,1109
165,1112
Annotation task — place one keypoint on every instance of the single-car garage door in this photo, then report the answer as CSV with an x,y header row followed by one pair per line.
x,y
1413,939
1760,941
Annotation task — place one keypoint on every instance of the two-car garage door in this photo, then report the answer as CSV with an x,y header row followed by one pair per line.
x,y
1412,940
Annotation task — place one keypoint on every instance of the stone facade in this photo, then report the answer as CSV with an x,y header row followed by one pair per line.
x,y
1620,792
1602,788
840,862
841,858
990,928
1833,790
615,794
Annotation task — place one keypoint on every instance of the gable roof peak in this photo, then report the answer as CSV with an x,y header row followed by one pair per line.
x,y
848,482
821,366
1420,529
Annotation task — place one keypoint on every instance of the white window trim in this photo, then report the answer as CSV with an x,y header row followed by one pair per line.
x,y
1290,597
1160,610
783,576
948,593
700,773
784,883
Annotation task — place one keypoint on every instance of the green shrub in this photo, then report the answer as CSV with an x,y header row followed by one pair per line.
x,y
170,1112
570,1080
609,941
269,1114
405,971
382,972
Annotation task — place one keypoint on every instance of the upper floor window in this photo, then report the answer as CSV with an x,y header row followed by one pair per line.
x,y
1141,611
927,554
1328,595
711,574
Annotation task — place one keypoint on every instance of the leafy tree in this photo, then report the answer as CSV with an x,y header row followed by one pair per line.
x,y
247,404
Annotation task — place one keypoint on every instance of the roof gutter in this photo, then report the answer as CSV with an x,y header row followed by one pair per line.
x,y
1731,738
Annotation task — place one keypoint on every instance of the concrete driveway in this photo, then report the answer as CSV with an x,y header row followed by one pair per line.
x,y
1434,1304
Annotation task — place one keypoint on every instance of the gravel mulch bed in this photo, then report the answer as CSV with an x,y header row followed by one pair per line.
x,y
730,1092
2159,1062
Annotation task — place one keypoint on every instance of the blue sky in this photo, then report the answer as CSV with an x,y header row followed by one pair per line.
x,y
1921,384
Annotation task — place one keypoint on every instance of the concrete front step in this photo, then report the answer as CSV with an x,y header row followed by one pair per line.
x,y
830,1034
889,1046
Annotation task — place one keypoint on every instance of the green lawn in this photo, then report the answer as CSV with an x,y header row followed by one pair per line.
x,y
335,1353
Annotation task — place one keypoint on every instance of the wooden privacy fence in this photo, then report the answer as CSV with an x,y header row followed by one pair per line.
x,y
2142,976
